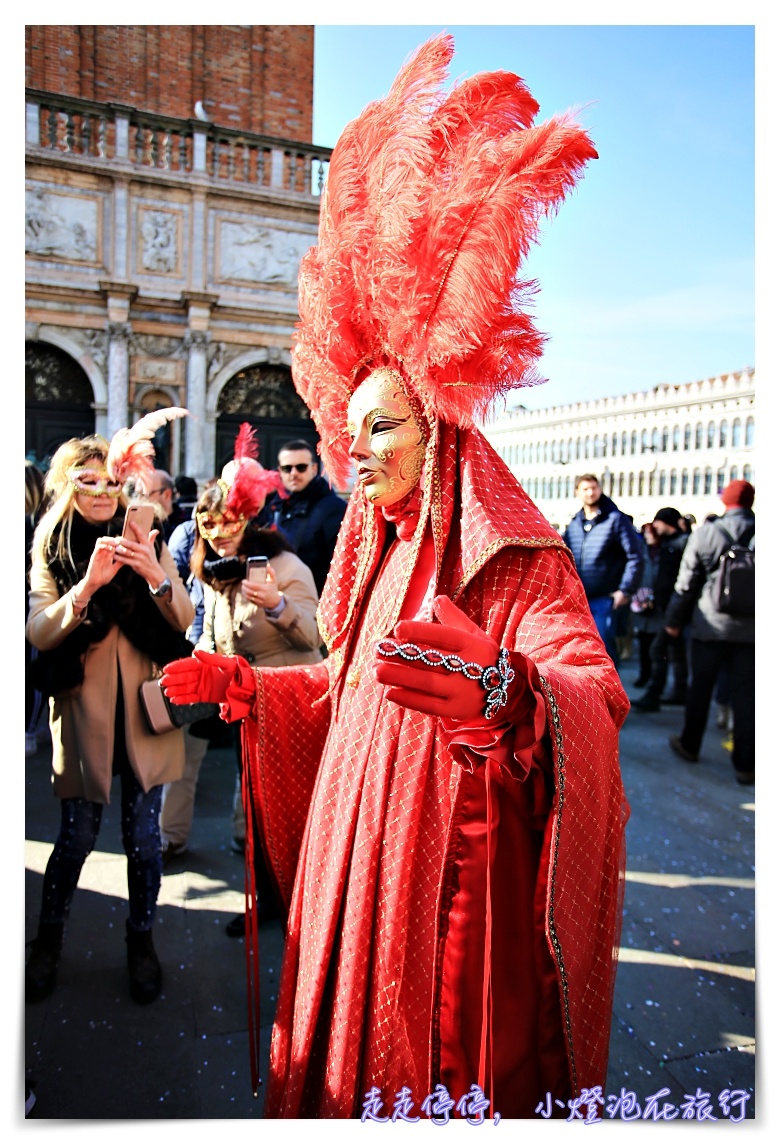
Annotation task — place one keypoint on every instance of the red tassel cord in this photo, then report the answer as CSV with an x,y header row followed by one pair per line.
x,y
486,1040
248,749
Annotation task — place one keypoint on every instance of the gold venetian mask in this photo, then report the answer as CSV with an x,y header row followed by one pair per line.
x,y
214,525
388,438
94,481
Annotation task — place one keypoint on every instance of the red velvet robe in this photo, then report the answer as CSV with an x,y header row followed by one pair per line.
x,y
374,820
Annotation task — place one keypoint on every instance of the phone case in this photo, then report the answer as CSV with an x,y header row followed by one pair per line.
x,y
142,515
256,571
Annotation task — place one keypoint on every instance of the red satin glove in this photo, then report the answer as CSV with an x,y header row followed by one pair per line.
x,y
436,690
202,678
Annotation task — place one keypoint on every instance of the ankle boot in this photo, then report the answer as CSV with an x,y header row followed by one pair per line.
x,y
647,702
40,974
143,965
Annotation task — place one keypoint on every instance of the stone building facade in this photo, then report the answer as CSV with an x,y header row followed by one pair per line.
x,y
171,192
671,445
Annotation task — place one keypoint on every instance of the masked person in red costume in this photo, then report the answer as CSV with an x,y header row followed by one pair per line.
x,y
444,813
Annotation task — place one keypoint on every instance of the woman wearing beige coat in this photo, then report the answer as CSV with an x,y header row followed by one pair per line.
x,y
105,612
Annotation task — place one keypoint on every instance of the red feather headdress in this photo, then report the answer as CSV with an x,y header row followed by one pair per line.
x,y
249,483
432,202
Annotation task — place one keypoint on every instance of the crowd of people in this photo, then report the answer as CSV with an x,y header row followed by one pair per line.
x,y
83,561
106,609
659,584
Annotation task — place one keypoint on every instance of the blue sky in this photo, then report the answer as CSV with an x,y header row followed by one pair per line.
x,y
646,272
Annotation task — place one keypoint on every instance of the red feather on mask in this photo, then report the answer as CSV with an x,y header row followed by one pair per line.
x,y
246,443
250,483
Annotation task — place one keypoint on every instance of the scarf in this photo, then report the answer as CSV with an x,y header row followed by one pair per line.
x,y
405,513
224,569
124,601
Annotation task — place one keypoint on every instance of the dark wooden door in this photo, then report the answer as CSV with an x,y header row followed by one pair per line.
x,y
58,401
271,435
263,395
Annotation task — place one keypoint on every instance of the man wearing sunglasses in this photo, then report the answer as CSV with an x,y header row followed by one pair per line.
x,y
311,515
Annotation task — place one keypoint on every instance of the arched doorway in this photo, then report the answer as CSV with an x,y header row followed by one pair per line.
x,y
264,396
58,401
166,439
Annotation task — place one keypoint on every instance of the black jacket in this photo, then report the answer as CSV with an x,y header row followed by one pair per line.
x,y
311,520
607,550
670,553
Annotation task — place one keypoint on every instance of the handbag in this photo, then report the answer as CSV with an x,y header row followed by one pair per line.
x,y
203,719
163,716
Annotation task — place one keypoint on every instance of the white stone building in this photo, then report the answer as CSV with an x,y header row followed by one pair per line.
x,y
672,445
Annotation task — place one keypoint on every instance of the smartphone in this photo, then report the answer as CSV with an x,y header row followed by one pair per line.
x,y
256,567
140,514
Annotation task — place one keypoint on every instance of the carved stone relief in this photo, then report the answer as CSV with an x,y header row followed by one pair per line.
x,y
160,241
96,345
154,369
199,339
150,345
256,253
62,226
120,332
219,355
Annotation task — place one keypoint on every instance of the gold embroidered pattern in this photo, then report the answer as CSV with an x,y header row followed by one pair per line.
x,y
560,775
496,546
368,535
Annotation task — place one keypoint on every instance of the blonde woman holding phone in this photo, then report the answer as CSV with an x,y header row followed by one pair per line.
x,y
107,610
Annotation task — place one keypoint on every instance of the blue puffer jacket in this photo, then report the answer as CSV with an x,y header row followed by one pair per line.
x,y
180,545
607,550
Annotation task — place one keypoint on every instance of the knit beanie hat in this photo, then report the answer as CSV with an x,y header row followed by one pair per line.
x,y
738,494
668,516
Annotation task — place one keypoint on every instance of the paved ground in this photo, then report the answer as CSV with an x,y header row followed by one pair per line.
x,y
684,1002
684,1014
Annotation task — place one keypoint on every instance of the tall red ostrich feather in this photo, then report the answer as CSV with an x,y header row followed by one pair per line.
x,y
432,202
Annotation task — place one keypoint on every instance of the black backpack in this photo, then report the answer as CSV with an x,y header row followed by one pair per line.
x,y
734,585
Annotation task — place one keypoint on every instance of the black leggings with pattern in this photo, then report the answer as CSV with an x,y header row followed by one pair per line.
x,y
140,838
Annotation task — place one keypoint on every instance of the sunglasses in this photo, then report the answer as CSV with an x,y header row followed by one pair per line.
x,y
216,526
301,468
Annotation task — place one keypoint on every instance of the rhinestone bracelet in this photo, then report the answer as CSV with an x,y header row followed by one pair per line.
x,y
495,679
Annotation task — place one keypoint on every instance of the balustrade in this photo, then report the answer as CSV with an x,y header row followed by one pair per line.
x,y
117,134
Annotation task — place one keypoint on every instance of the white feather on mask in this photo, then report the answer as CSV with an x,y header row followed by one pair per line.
x,y
131,451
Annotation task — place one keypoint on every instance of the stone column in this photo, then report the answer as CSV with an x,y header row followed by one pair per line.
x,y
118,373
121,228
199,240
198,456
196,463
119,296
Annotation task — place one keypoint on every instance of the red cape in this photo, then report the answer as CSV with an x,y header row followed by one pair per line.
x,y
339,778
